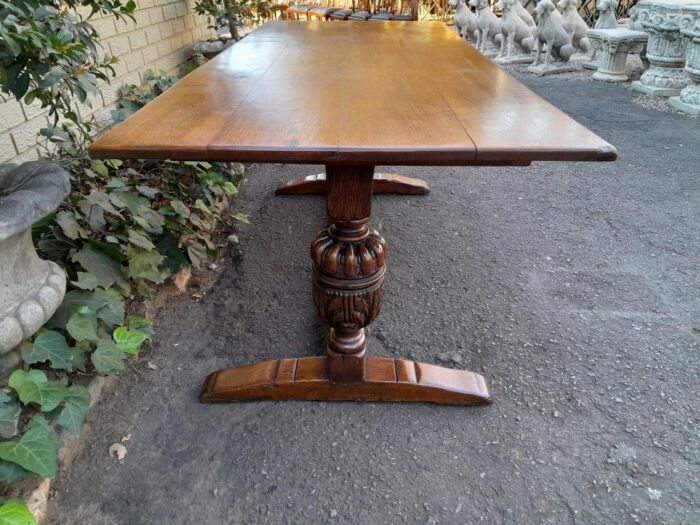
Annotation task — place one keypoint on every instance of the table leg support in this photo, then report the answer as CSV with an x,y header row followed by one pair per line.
x,y
383,183
348,284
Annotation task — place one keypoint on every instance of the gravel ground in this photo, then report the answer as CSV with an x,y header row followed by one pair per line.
x,y
573,287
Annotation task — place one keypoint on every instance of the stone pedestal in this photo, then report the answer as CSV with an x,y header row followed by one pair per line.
x,y
689,99
614,45
551,69
31,289
521,58
667,45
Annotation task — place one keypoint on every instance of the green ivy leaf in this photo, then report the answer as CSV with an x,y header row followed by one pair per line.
x,y
82,325
139,239
107,358
72,416
105,269
241,217
144,265
80,351
100,168
9,416
10,472
86,281
151,220
133,201
107,303
16,512
34,387
180,208
148,191
199,204
48,346
112,311
230,188
128,341
35,451
68,223
141,324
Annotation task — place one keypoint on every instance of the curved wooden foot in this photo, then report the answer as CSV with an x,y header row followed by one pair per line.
x,y
383,183
385,379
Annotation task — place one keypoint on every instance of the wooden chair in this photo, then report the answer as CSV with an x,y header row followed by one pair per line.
x,y
387,10
345,14
293,12
278,11
323,12
408,11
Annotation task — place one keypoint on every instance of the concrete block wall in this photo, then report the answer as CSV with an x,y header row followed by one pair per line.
x,y
158,39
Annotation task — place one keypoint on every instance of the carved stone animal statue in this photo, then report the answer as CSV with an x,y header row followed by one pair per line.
x,y
526,16
514,29
606,14
551,32
464,19
488,25
606,20
574,25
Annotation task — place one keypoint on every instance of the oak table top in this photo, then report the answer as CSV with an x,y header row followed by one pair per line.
x,y
351,96
379,93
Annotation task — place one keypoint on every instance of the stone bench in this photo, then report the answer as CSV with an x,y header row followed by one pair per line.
x,y
614,45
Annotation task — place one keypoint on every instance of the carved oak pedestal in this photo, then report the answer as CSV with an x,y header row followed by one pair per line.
x,y
348,284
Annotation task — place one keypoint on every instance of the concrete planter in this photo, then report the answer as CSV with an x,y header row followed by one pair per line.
x,y
666,50
30,288
689,99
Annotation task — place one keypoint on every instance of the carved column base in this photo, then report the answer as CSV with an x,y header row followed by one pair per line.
x,y
688,101
661,81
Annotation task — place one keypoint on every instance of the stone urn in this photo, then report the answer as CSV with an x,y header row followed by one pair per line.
x,y
689,99
31,289
666,49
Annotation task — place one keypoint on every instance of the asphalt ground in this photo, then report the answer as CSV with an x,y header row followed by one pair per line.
x,y
573,287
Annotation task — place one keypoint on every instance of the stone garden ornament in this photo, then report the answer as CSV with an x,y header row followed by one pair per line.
x,y
689,99
574,25
606,20
464,19
606,14
666,50
551,35
526,16
515,34
31,289
614,45
488,28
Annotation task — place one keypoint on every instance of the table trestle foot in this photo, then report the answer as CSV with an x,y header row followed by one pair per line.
x,y
383,379
383,183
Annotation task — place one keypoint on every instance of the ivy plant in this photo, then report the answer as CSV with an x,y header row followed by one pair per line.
x,y
16,512
49,51
125,227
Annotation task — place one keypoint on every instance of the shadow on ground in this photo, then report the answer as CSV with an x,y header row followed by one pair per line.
x,y
573,287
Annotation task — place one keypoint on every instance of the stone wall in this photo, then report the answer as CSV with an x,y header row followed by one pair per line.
x,y
159,38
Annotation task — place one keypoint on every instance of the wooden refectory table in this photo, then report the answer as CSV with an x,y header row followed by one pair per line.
x,y
351,96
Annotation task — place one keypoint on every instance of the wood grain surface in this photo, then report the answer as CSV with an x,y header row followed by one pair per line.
x,y
384,379
385,93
